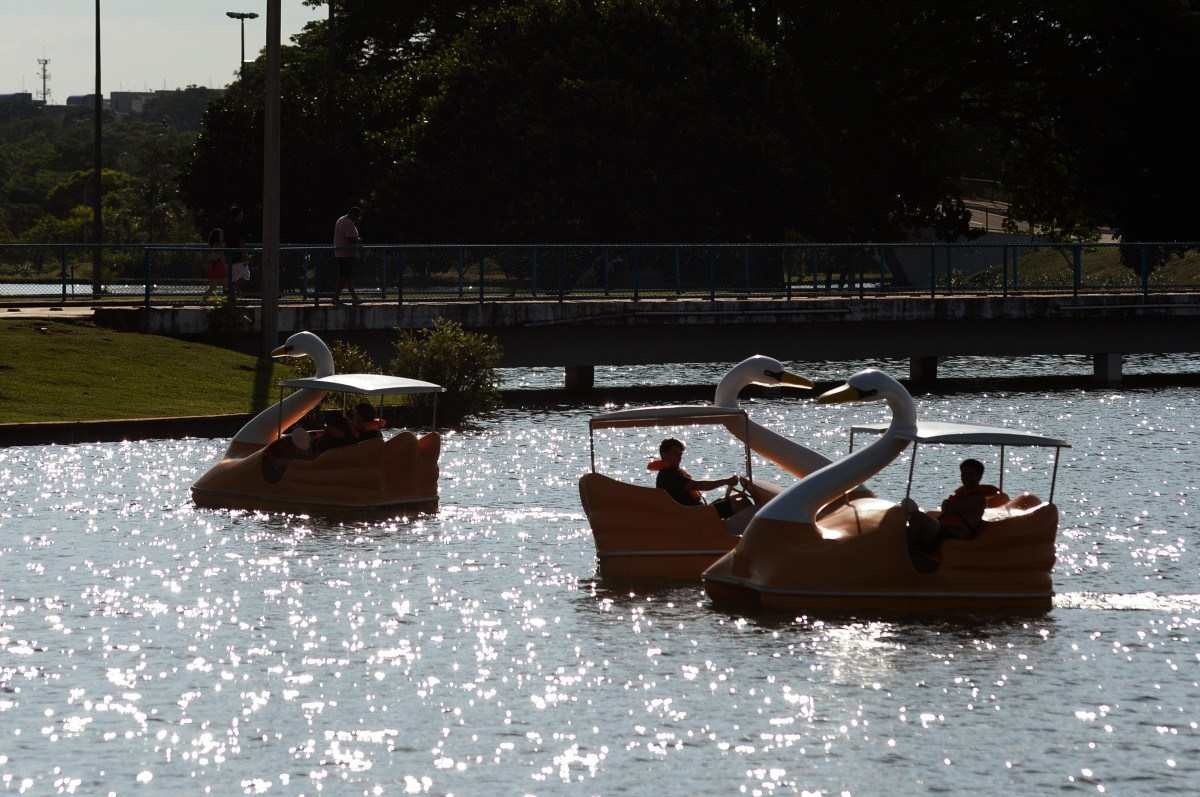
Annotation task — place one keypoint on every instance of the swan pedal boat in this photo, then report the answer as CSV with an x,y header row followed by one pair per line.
x,y
642,533
805,553
264,470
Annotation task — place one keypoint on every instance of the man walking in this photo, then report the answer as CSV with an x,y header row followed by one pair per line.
x,y
345,252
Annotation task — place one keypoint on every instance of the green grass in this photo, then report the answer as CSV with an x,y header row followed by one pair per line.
x,y
62,371
1049,267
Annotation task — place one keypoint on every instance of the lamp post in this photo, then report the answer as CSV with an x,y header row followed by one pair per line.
x,y
242,16
270,222
97,195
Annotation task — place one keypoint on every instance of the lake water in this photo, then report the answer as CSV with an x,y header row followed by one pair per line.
x,y
150,648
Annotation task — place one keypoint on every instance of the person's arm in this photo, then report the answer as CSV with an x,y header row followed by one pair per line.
x,y
713,484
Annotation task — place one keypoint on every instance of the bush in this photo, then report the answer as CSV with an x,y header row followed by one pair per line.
x,y
462,362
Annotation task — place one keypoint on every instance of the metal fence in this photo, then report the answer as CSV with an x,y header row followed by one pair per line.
x,y
174,274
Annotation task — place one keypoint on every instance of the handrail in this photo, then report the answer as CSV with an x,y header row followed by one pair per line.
x,y
183,273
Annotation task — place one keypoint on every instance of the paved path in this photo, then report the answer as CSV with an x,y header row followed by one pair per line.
x,y
72,312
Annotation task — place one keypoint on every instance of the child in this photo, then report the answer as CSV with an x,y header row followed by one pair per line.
x,y
216,261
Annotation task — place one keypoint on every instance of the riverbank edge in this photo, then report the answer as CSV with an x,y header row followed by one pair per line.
x,y
117,430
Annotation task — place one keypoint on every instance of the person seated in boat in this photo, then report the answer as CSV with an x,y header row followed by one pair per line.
x,y
678,482
961,517
364,424
337,433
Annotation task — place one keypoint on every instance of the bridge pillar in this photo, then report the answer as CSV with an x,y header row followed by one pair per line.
x,y
922,369
1106,369
580,378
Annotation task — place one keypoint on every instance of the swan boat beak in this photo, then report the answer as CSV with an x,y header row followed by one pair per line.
x,y
841,395
795,380
283,351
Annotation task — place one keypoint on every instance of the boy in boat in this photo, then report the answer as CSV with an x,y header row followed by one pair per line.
x,y
961,517
678,482
364,424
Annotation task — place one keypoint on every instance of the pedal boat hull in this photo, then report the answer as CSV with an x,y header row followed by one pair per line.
x,y
856,559
642,534
372,478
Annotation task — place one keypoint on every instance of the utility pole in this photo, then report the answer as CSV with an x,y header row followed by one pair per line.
x,y
98,194
270,222
43,63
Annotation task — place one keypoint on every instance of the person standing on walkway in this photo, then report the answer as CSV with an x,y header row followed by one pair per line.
x,y
234,241
345,252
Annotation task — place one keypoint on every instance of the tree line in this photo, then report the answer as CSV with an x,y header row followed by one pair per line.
x,y
715,120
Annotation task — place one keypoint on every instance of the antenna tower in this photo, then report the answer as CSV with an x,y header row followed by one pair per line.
x,y
43,62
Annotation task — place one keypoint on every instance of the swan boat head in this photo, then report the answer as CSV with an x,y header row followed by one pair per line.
x,y
306,344
756,370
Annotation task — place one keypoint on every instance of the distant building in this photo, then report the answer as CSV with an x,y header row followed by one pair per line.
x,y
84,101
129,102
20,99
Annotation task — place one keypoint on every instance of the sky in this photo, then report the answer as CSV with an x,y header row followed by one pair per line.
x,y
144,44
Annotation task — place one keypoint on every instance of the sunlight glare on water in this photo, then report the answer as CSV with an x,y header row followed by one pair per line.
x,y
149,647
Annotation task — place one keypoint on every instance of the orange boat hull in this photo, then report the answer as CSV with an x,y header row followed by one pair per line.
x,y
642,534
856,558
370,478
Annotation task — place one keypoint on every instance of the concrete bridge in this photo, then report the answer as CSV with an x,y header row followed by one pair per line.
x,y
580,334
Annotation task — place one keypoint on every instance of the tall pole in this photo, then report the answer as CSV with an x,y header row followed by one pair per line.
x,y
97,196
270,224
242,63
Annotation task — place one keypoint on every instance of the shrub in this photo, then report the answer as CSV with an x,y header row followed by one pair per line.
x,y
463,362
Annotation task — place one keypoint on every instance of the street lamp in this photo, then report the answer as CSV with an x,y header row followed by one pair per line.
x,y
242,16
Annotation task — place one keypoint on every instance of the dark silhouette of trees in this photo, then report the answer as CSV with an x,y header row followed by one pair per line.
x,y
732,120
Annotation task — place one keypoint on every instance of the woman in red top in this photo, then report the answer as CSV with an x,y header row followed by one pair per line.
x,y
216,261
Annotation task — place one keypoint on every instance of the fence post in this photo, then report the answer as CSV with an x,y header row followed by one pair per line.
x,y
746,269
933,270
637,273
862,276
1144,269
400,279
146,262
787,272
562,266
712,275
534,280
482,266
607,264
1016,279
949,268
462,267
1004,284
1077,269
62,265
678,289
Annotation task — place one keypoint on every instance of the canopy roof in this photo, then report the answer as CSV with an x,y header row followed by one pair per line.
x,y
367,384
966,434
670,415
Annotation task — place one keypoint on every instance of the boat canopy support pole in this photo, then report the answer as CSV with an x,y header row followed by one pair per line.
x,y
1001,468
749,471
592,446
1054,474
912,464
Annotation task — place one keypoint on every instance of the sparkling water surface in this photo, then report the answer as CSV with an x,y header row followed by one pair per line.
x,y
147,647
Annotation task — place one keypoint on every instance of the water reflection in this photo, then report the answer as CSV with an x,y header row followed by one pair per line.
x,y
146,645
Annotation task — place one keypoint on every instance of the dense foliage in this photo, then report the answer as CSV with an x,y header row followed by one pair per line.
x,y
46,185
682,120
462,362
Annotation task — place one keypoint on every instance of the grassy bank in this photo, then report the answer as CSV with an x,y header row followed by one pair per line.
x,y
61,371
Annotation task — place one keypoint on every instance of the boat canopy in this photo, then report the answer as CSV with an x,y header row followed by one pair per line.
x,y
670,415
965,434
366,384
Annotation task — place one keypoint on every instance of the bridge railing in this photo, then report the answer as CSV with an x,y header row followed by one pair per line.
x,y
187,274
